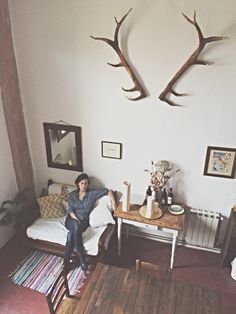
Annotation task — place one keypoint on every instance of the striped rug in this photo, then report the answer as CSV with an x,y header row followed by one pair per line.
x,y
39,270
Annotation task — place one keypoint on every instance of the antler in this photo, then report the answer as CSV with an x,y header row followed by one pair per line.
x,y
123,62
193,59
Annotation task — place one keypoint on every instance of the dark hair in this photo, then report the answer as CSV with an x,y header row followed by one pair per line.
x,y
82,176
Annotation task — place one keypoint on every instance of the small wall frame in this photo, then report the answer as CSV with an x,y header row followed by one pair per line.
x,y
220,162
111,150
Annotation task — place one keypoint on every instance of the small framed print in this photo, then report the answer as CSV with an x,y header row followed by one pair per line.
x,y
220,162
111,150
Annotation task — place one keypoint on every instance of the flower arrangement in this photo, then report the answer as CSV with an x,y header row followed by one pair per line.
x,y
161,172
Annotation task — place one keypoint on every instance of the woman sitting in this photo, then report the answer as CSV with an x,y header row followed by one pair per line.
x,y
81,202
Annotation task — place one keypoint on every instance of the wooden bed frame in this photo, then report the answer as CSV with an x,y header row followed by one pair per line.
x,y
59,249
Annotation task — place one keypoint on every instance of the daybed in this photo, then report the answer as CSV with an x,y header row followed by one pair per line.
x,y
48,232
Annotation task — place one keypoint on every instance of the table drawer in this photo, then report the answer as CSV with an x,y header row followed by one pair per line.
x,y
140,224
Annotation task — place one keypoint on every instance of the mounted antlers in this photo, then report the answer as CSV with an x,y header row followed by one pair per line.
x,y
193,59
123,62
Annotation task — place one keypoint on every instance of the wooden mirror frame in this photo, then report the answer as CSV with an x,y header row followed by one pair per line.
x,y
78,145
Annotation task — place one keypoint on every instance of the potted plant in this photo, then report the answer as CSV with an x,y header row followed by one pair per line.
x,y
14,210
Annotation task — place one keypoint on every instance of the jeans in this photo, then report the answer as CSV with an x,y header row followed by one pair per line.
x,y
74,237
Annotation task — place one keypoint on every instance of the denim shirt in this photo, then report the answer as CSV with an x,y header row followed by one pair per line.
x,y
82,208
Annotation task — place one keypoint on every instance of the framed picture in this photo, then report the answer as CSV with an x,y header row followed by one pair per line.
x,y
111,150
220,162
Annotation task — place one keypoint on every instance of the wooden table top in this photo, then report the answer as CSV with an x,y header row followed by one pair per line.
x,y
167,220
117,290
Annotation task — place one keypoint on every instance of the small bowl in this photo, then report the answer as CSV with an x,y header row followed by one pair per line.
x,y
175,208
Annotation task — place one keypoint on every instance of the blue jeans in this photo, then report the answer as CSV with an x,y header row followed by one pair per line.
x,y
74,237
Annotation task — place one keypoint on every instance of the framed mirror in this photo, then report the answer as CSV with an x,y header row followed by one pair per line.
x,y
63,146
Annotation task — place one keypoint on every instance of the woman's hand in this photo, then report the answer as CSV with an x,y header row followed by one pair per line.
x,y
73,216
113,202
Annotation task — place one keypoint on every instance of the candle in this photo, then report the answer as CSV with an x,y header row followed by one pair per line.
x,y
149,210
126,196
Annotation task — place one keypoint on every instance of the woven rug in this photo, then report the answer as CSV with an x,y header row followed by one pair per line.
x,y
39,270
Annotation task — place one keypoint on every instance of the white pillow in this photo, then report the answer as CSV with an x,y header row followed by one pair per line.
x,y
101,214
106,201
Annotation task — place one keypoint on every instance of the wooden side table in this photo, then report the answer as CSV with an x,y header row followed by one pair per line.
x,y
168,223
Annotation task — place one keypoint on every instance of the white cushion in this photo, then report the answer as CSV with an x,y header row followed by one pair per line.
x,y
101,214
106,201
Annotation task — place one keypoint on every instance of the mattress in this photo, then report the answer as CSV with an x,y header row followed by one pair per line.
x,y
54,230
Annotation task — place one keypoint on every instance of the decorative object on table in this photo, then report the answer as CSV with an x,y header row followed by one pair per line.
x,y
39,270
154,195
220,162
148,193
149,208
170,197
176,209
123,62
192,60
156,211
126,196
111,150
161,172
164,197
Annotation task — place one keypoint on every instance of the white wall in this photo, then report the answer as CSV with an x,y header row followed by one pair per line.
x,y
64,75
8,187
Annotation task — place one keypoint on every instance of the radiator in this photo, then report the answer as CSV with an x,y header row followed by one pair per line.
x,y
203,228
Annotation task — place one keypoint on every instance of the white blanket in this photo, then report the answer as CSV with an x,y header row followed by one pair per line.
x,y
54,230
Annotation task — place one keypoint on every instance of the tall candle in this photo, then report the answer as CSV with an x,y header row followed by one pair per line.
x,y
149,210
126,196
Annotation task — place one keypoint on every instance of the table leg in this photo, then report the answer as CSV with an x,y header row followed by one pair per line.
x,y
119,224
174,242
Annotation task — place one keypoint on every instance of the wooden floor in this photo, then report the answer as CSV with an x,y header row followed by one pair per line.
x,y
196,267
117,290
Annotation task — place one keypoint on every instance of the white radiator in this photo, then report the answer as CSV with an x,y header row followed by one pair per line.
x,y
203,228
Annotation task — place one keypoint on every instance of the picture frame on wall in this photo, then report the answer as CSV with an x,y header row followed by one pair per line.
x,y
111,149
220,162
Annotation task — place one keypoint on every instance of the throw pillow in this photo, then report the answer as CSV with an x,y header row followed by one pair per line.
x,y
51,206
63,190
101,214
106,201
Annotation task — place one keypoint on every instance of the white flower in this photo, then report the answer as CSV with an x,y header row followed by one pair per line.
x,y
161,172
